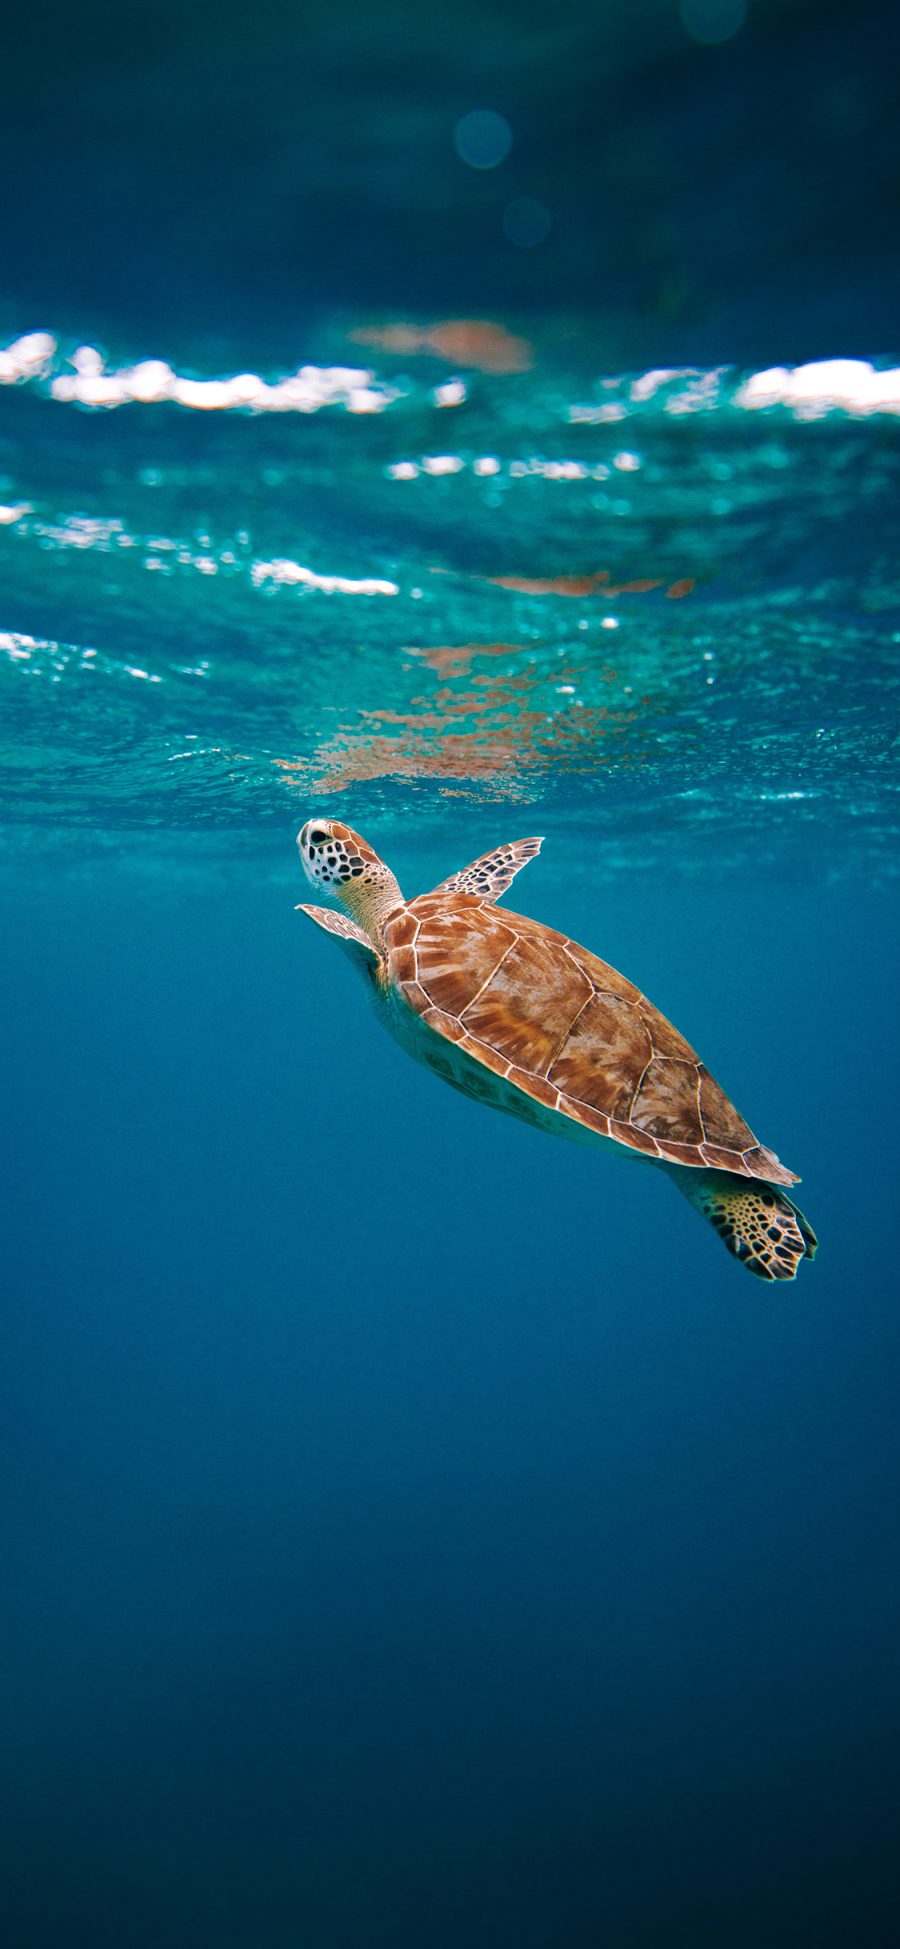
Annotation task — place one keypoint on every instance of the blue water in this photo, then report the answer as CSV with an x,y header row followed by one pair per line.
x,y
417,1533
417,1529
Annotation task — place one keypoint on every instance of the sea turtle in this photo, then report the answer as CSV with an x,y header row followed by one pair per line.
x,y
522,1018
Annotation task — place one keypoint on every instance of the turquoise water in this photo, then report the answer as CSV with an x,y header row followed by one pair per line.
x,y
651,600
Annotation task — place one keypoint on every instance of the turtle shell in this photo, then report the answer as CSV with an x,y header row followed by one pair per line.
x,y
563,1027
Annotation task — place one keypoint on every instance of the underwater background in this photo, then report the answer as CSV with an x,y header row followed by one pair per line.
x,y
466,424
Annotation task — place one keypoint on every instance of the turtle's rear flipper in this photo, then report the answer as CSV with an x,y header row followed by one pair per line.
x,y
755,1220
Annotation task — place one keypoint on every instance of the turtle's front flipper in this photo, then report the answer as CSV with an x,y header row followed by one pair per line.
x,y
754,1219
490,875
352,939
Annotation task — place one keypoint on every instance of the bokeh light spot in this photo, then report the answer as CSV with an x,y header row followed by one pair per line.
x,y
482,138
526,221
713,21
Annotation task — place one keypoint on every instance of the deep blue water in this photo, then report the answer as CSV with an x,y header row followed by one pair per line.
x,y
417,1529
417,1533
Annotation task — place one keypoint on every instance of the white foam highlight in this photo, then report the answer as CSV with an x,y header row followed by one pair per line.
x,y
295,572
648,383
29,357
824,386
49,660
453,393
165,555
606,413
564,470
20,648
151,381
83,378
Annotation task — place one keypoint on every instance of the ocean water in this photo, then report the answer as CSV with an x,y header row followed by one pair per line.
x,y
418,1533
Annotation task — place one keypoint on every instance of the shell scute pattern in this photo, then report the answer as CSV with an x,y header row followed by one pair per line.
x,y
401,929
535,1086
760,1158
403,964
604,1055
446,1025
457,957
566,1029
527,1007
483,1052
679,1153
717,1158
592,1119
666,1040
636,1139
666,1102
602,977
721,1123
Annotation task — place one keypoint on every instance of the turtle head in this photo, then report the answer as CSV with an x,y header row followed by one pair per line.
x,y
339,862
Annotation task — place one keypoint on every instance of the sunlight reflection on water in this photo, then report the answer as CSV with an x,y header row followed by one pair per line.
x,y
657,632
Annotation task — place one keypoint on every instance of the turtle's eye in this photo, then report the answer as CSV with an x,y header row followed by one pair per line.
x,y
319,838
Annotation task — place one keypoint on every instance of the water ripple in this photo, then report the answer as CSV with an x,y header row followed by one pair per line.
x,y
686,638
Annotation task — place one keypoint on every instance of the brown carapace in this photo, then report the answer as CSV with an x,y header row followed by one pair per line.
x,y
520,1017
